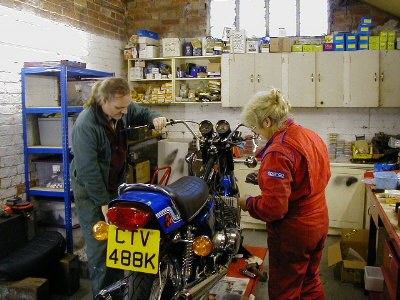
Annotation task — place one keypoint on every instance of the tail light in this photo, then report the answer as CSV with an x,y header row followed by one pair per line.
x,y
129,216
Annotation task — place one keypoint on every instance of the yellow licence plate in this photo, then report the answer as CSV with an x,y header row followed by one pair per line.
x,y
133,250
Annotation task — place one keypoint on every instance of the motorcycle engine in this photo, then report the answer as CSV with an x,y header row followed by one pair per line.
x,y
227,240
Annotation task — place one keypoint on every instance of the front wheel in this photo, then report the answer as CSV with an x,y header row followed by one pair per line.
x,y
163,285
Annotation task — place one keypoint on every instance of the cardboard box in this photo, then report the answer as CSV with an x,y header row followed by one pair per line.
x,y
364,38
373,46
238,41
339,38
383,45
351,46
148,41
136,73
366,21
362,46
363,29
140,63
350,254
351,38
251,46
391,36
391,45
297,48
329,38
280,45
308,48
319,48
383,35
152,51
374,39
214,69
329,47
171,47
339,47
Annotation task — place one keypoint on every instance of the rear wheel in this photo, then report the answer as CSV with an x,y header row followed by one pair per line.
x,y
162,286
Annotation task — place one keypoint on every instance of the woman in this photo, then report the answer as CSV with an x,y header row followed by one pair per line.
x,y
293,176
99,163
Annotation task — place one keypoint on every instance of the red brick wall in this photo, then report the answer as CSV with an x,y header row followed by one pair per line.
x,y
169,18
345,15
102,17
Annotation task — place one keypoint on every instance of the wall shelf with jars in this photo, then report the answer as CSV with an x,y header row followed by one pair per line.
x,y
175,80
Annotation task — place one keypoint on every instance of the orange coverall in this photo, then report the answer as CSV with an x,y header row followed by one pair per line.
x,y
294,173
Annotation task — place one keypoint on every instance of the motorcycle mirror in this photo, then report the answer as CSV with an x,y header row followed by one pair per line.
x,y
250,162
190,157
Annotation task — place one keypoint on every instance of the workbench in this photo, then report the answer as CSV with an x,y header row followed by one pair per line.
x,y
384,244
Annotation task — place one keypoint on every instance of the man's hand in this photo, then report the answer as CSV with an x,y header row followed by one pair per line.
x,y
159,123
242,202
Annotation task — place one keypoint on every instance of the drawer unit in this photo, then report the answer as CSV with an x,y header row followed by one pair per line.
x,y
391,270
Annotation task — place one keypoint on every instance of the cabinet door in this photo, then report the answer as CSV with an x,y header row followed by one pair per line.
x,y
345,196
268,71
363,83
329,80
238,79
389,89
301,79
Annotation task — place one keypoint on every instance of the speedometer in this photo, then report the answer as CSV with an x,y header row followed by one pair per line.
x,y
223,128
206,128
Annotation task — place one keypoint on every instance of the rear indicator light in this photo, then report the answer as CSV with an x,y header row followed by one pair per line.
x,y
129,216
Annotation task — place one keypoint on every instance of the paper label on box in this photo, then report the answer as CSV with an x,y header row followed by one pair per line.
x,y
56,169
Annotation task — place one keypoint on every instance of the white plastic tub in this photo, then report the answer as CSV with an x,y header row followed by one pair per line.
x,y
373,278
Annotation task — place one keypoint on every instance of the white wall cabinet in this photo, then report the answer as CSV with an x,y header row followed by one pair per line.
x,y
244,74
312,79
389,86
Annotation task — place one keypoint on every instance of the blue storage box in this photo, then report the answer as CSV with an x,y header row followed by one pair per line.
x,y
362,46
385,167
339,47
366,21
386,180
362,29
339,38
148,33
351,38
351,46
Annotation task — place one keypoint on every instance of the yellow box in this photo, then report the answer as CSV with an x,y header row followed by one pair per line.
x,y
329,38
319,48
383,45
374,39
391,45
391,36
308,48
297,48
383,35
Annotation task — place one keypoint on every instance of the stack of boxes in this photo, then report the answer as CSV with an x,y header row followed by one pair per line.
x,y
339,42
351,41
148,44
364,30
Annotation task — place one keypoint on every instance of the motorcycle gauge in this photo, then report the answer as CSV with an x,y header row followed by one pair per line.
x,y
223,128
206,128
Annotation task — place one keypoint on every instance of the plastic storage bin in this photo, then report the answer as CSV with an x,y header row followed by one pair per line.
x,y
53,213
385,167
386,180
373,279
50,131
50,173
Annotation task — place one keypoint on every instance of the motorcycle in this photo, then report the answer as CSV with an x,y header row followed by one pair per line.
x,y
178,240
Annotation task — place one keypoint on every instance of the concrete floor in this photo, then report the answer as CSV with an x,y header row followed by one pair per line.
x,y
334,288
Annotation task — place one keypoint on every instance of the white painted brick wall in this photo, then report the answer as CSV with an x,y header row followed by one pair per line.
x,y
26,37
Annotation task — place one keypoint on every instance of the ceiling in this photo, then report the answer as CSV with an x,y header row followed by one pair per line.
x,y
389,6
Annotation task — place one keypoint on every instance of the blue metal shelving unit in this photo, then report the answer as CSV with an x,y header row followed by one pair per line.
x,y
63,73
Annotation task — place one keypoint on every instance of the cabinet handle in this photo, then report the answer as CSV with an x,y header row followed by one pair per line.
x,y
319,77
369,208
312,77
382,76
251,78
258,77
375,77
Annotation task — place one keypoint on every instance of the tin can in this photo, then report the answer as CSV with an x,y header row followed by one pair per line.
x,y
187,49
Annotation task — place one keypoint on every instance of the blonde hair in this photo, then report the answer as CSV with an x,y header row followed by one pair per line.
x,y
105,90
266,104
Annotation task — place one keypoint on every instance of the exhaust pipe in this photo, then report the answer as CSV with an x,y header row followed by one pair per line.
x,y
200,289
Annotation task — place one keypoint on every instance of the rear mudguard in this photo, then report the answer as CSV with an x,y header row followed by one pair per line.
x,y
164,209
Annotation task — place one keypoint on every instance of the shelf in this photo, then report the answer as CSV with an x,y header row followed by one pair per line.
x,y
45,149
164,79
42,191
51,110
55,71
177,57
205,78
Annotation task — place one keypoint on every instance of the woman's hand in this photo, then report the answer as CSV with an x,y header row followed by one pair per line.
x,y
242,202
159,123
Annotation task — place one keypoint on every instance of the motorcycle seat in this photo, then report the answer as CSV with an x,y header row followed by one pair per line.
x,y
189,194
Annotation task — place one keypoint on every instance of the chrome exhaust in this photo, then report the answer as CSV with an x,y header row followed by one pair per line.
x,y
197,291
